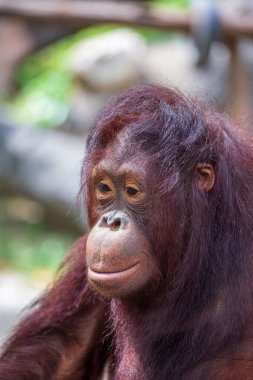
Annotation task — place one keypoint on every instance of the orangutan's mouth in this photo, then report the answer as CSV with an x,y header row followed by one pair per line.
x,y
104,276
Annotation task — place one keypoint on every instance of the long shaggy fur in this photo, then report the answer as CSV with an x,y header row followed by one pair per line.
x,y
201,308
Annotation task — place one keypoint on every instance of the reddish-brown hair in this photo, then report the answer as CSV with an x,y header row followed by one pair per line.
x,y
212,232
201,240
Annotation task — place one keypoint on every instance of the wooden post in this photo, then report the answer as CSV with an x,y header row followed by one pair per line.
x,y
240,109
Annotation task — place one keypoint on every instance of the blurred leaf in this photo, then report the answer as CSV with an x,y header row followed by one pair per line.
x,y
172,3
32,247
26,243
43,100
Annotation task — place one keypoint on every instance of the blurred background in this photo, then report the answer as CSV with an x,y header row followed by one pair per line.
x,y
60,61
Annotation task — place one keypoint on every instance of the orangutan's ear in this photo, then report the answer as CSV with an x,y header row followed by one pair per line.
x,y
205,176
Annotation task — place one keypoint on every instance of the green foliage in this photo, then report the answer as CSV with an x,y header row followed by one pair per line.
x,y
27,242
44,99
173,3
153,36
26,247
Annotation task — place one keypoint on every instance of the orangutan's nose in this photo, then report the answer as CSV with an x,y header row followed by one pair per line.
x,y
114,220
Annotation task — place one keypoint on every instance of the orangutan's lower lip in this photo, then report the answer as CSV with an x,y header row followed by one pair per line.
x,y
95,275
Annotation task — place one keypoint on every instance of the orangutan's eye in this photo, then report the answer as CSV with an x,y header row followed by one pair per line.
x,y
105,190
103,187
131,191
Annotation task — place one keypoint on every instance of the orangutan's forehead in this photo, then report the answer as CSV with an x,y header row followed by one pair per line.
x,y
124,154
123,149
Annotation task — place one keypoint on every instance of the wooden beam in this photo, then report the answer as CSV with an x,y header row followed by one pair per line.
x,y
76,14
237,25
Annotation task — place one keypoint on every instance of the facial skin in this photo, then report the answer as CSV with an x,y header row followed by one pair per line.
x,y
118,254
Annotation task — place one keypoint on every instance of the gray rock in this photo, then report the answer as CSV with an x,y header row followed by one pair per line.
x,y
111,61
43,165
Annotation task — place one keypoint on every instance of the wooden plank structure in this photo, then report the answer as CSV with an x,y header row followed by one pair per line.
x,y
76,14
